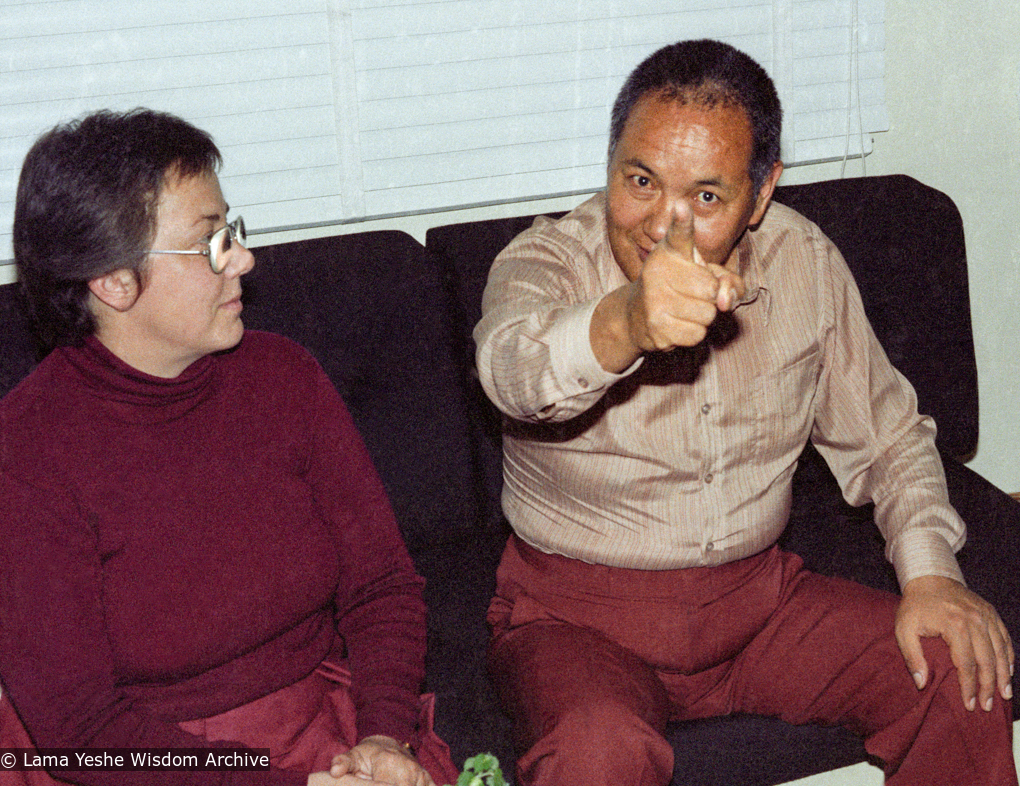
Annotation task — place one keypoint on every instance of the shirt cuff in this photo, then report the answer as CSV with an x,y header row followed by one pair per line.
x,y
922,552
573,361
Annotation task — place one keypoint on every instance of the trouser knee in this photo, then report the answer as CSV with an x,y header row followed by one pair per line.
x,y
601,743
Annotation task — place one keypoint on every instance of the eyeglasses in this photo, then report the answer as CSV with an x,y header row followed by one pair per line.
x,y
220,242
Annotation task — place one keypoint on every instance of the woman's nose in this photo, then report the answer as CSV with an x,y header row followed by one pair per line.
x,y
241,260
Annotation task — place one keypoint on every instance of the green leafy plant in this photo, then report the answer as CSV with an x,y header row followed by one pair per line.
x,y
481,770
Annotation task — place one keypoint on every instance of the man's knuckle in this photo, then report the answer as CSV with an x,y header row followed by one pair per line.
x,y
968,666
976,617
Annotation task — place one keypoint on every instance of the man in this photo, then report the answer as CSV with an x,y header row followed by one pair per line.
x,y
663,353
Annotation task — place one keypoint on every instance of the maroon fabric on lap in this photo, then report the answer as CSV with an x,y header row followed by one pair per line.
x,y
303,725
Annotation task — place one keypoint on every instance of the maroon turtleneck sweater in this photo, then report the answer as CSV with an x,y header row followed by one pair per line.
x,y
171,549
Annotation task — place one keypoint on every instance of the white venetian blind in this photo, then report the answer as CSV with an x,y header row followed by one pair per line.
x,y
257,74
330,111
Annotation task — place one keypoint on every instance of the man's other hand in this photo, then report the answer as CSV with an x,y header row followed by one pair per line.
x,y
979,643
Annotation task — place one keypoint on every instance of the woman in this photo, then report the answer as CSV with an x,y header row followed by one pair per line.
x,y
196,549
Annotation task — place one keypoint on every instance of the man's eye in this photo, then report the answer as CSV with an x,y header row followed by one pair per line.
x,y
707,197
641,181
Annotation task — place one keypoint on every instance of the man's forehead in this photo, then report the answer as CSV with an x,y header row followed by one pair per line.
x,y
658,120
701,101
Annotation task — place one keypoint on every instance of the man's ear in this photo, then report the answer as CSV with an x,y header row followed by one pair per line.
x,y
765,193
118,289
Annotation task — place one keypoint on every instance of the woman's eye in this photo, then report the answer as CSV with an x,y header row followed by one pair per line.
x,y
707,197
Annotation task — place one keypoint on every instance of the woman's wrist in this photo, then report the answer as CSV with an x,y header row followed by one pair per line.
x,y
392,743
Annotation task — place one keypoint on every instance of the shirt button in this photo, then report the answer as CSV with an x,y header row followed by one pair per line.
x,y
709,477
706,408
710,546
582,382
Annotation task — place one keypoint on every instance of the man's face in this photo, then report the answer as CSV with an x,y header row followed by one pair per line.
x,y
682,162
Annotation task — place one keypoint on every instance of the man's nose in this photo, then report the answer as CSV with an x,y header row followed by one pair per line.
x,y
665,212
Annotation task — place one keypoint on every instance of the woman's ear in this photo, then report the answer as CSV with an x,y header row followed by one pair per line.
x,y
118,289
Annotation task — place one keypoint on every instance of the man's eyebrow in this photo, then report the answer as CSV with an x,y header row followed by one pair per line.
x,y
637,162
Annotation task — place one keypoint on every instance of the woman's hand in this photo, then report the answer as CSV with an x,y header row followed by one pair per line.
x,y
381,760
325,779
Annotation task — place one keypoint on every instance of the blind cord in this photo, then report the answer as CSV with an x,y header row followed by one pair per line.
x,y
854,81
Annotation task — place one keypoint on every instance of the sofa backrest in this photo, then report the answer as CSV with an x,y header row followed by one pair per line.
x,y
904,243
902,240
463,253
376,317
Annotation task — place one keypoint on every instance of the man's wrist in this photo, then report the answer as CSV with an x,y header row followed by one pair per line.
x,y
924,552
609,333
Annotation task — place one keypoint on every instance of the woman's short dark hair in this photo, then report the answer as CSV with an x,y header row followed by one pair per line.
x,y
708,73
86,206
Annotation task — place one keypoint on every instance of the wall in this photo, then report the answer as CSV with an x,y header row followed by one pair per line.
x,y
953,91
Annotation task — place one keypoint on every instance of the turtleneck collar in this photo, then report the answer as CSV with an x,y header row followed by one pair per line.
x,y
134,395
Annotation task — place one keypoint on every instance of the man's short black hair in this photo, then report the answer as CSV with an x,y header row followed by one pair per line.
x,y
86,206
708,73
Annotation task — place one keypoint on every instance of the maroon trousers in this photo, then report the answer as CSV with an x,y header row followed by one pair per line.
x,y
592,662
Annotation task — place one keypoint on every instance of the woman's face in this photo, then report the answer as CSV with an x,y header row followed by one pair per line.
x,y
184,311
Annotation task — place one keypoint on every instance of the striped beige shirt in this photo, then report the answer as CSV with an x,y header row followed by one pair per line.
x,y
687,460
